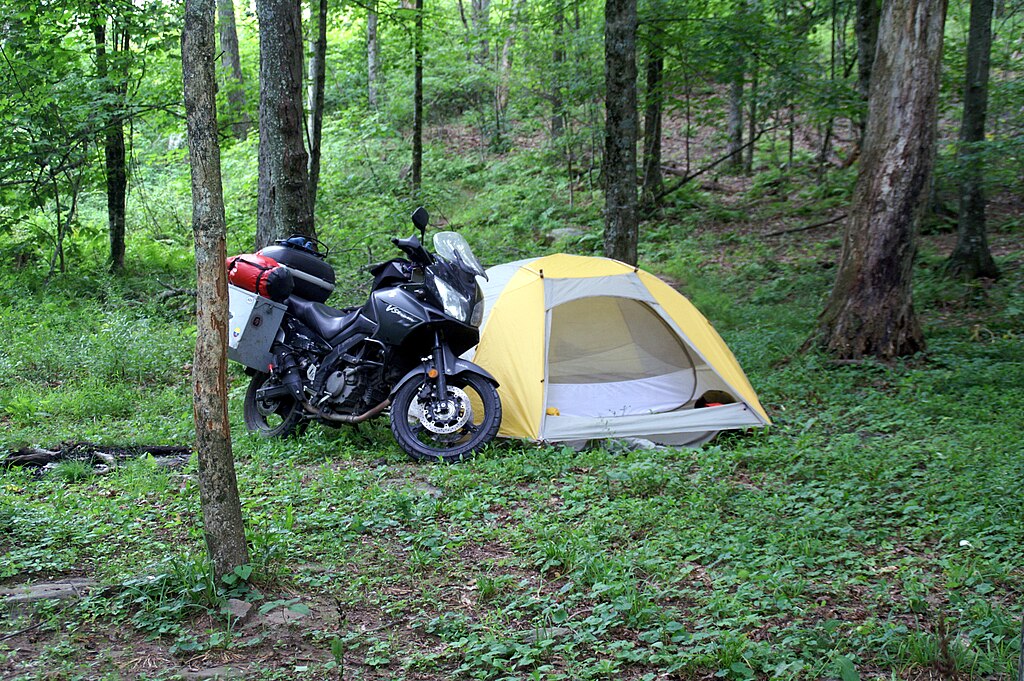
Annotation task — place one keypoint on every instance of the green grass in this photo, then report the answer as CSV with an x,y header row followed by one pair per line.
x,y
873,531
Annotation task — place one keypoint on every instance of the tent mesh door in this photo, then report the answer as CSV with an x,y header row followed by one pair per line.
x,y
611,356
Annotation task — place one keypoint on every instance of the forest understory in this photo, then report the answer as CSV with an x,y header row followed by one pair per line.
x,y
873,531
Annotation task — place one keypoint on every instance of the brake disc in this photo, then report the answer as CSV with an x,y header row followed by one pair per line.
x,y
443,417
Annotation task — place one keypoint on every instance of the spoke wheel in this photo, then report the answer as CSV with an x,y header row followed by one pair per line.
x,y
449,429
277,417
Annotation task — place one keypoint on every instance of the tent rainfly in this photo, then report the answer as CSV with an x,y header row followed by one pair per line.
x,y
589,348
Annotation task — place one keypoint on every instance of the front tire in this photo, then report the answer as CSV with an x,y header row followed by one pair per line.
x,y
446,430
277,417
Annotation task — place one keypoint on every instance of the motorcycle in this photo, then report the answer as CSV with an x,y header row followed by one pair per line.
x,y
399,350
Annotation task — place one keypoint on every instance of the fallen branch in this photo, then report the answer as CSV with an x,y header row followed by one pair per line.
x,y
174,292
105,455
692,176
31,456
806,228
23,631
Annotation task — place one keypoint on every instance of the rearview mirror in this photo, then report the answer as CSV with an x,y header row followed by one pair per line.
x,y
420,218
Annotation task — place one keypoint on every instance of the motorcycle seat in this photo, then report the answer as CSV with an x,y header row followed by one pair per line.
x,y
327,321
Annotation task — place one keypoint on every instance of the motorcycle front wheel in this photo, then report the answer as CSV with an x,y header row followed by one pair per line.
x,y
451,429
276,417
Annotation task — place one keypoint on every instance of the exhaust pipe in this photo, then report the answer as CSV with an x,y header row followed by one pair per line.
x,y
346,418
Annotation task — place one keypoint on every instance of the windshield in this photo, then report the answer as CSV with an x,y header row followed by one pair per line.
x,y
454,248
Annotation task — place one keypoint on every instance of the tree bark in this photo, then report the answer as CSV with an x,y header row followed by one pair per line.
x,y
557,64
620,204
114,155
417,101
653,106
231,63
283,206
748,160
218,487
479,14
734,116
971,257
315,93
870,310
501,90
372,59
866,30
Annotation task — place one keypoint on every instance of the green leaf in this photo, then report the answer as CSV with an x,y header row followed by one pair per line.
x,y
847,672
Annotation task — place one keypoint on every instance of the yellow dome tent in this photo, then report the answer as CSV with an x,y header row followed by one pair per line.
x,y
590,348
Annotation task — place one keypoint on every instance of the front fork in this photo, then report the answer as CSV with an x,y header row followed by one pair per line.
x,y
437,369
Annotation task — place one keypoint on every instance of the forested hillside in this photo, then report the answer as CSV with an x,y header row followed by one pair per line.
x,y
838,186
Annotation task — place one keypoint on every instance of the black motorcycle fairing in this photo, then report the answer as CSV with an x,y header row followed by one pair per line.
x,y
453,366
398,311
404,320
327,321
391,273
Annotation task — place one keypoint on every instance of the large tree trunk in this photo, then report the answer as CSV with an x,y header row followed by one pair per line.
x,y
653,105
866,30
114,155
620,203
372,59
870,310
283,205
417,100
315,93
971,258
218,487
231,63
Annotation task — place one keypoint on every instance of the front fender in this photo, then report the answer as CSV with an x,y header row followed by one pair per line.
x,y
453,367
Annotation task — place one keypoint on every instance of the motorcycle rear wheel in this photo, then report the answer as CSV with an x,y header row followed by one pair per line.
x,y
450,430
278,417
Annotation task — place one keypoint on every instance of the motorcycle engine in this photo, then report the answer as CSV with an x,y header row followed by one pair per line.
x,y
354,389
341,384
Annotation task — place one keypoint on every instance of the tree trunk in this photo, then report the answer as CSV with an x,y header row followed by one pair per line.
x,y
826,138
653,105
315,93
557,65
218,487
372,59
870,310
501,90
620,203
417,101
231,63
283,205
479,14
866,30
734,116
114,155
971,257
748,161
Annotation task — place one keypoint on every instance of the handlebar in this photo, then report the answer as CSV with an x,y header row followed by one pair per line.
x,y
414,249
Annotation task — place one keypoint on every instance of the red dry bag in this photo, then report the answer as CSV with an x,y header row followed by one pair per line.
x,y
260,274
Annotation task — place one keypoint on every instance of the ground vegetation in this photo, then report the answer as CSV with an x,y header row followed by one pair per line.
x,y
873,531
